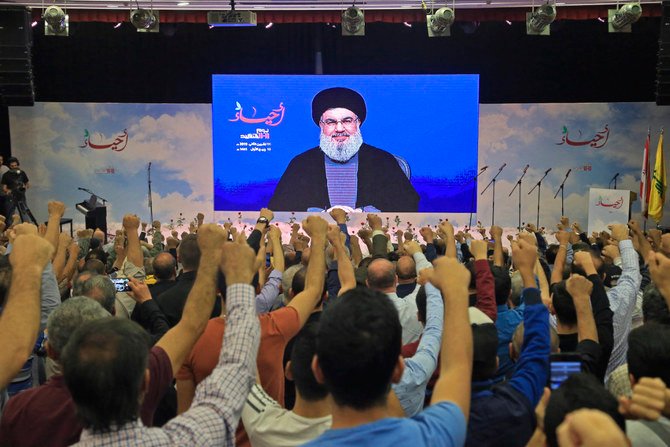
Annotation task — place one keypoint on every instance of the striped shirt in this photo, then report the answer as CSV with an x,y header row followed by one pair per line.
x,y
216,408
342,180
270,425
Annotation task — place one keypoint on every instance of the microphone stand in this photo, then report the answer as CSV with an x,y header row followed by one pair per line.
x,y
493,196
474,193
518,185
104,201
151,206
538,185
613,180
561,189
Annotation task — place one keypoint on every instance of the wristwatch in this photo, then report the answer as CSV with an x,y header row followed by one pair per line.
x,y
263,220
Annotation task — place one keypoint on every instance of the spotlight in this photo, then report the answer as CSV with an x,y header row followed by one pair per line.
x,y
144,20
538,21
56,22
353,22
439,23
620,20
117,26
269,25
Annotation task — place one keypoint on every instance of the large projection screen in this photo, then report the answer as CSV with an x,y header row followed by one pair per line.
x,y
428,124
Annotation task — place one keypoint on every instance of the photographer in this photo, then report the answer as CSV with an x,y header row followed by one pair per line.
x,y
14,184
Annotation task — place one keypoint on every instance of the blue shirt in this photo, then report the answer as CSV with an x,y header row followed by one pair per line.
x,y
506,323
442,424
411,390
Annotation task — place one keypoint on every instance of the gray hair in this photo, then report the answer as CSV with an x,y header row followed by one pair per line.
x,y
517,288
101,289
67,317
287,279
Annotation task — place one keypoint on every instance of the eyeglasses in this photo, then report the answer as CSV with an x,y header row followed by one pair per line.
x,y
346,122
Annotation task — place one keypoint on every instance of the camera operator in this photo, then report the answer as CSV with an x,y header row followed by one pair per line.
x,y
14,184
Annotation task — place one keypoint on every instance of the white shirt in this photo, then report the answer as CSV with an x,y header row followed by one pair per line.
x,y
270,425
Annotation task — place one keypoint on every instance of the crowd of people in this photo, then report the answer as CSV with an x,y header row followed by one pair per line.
x,y
333,337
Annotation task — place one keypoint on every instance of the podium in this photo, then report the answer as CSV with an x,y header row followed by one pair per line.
x,y
95,214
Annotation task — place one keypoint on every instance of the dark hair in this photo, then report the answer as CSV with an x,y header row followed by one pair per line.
x,y
551,252
649,351
358,345
503,284
601,267
421,299
654,307
164,265
98,254
563,304
103,364
484,351
189,252
580,390
11,160
381,274
304,348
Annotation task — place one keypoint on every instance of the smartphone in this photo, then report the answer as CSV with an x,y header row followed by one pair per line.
x,y
563,365
268,260
121,284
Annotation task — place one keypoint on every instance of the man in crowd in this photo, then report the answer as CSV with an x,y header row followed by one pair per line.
x,y
343,170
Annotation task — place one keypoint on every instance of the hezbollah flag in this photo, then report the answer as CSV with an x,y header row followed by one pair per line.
x,y
658,184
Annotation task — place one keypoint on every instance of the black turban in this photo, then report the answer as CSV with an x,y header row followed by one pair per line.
x,y
338,97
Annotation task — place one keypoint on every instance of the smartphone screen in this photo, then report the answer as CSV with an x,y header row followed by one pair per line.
x,y
563,366
121,284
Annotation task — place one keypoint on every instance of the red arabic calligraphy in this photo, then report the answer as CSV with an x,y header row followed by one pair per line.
x,y
270,119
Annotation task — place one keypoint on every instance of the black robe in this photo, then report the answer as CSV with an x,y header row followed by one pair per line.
x,y
381,183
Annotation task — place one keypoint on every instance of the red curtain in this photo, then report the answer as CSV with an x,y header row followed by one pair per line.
x,y
387,16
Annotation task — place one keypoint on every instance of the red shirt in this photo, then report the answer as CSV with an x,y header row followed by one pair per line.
x,y
46,415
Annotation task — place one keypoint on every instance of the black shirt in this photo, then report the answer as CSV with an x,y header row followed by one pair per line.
x,y
13,178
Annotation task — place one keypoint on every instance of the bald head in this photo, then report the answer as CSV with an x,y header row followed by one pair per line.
x,y
164,266
381,276
406,269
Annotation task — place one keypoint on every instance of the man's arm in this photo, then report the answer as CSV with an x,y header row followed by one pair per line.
x,y
345,271
496,235
379,239
179,340
420,367
20,319
256,235
147,313
452,279
64,240
561,256
580,289
530,375
131,223
486,297
305,302
216,408
356,254
622,297
659,269
446,231
56,211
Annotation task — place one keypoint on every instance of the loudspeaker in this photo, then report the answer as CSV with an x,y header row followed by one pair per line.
x,y
16,69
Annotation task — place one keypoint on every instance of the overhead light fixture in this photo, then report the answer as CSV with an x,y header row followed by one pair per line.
x,y
538,21
34,24
117,26
183,4
439,23
407,24
56,22
269,25
620,20
353,22
144,20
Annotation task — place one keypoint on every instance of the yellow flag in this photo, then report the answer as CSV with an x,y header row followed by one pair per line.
x,y
658,184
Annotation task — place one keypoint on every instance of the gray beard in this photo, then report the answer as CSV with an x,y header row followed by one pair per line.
x,y
341,152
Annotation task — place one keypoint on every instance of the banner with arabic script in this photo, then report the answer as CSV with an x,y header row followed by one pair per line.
x,y
607,206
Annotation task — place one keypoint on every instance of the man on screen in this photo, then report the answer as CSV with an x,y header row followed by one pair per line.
x,y
343,170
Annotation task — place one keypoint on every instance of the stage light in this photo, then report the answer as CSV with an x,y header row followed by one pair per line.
x,y
34,24
56,22
144,20
538,21
117,26
269,25
407,24
620,20
439,23
353,22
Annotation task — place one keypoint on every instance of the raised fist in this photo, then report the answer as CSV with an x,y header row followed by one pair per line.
x,y
30,250
56,208
131,222
315,226
339,215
